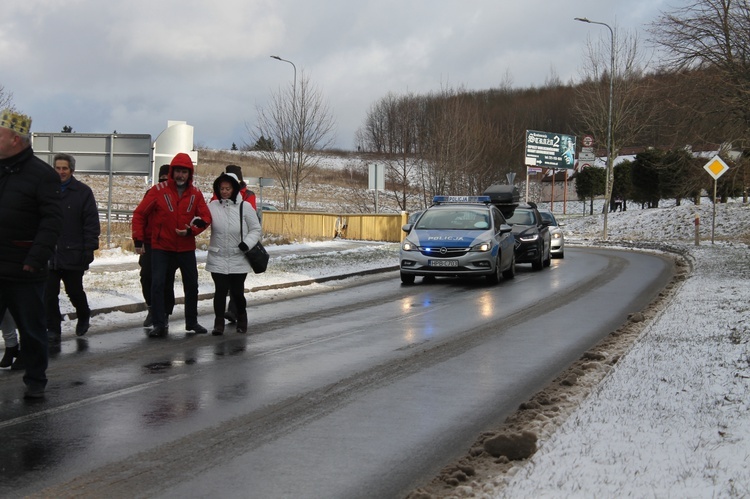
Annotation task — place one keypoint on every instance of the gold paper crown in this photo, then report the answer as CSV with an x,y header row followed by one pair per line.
x,y
19,123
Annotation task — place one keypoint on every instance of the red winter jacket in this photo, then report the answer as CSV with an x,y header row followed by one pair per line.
x,y
164,211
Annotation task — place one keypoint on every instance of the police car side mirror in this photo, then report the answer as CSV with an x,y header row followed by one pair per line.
x,y
407,227
505,228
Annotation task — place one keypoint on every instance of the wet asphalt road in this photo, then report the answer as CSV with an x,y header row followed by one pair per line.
x,y
365,390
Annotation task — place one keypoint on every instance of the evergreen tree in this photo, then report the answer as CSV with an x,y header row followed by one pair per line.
x,y
591,182
264,144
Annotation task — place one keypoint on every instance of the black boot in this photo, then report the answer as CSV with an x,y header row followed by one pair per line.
x,y
54,337
242,321
19,364
218,326
10,354
148,321
82,326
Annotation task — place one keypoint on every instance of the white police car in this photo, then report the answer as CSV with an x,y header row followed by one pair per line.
x,y
458,236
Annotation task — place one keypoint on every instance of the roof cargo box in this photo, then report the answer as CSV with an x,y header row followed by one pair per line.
x,y
505,197
505,194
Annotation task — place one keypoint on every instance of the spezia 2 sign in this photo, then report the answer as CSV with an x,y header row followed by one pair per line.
x,y
550,150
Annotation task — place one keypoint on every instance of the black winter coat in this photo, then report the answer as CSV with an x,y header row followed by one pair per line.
x,y
30,216
80,228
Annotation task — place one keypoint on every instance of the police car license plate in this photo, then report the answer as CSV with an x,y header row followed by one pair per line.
x,y
443,263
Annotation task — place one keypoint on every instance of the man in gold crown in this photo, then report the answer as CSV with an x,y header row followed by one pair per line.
x,y
30,222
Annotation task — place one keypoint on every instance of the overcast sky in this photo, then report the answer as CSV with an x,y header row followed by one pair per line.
x,y
132,65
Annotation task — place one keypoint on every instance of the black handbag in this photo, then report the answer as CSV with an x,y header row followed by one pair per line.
x,y
257,255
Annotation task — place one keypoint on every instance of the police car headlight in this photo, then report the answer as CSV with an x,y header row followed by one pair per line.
x,y
556,236
528,239
482,247
407,246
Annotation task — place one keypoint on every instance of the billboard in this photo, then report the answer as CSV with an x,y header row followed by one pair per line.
x,y
100,154
550,150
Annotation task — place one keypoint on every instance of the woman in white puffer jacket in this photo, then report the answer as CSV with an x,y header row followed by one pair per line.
x,y
226,260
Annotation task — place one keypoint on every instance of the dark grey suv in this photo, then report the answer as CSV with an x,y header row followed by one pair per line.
x,y
533,240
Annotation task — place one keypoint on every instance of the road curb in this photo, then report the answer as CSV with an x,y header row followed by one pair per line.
x,y
131,308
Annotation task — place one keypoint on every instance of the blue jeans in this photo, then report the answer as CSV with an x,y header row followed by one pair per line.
x,y
25,300
162,263
146,272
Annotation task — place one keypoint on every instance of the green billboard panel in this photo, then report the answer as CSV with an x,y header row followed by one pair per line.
x,y
550,150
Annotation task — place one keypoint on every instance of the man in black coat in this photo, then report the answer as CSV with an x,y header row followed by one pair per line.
x,y
30,222
75,249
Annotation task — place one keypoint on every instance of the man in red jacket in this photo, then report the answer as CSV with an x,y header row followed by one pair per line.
x,y
176,212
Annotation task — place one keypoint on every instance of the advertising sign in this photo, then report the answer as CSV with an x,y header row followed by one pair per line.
x,y
101,154
550,150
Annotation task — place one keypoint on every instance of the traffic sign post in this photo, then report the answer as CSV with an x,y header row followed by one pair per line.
x,y
716,168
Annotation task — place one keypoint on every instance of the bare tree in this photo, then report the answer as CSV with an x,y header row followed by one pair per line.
x,y
708,42
454,142
633,106
392,129
6,98
300,121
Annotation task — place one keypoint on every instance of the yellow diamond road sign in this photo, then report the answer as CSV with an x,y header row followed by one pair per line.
x,y
716,167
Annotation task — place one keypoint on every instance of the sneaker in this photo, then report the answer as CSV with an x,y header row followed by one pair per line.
x,y
33,392
197,328
10,354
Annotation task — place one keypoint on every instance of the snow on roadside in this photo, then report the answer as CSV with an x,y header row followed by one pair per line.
x,y
673,418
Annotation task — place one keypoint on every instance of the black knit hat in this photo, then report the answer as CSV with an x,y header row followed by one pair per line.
x,y
236,170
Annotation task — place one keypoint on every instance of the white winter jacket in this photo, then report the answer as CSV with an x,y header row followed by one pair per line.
x,y
224,254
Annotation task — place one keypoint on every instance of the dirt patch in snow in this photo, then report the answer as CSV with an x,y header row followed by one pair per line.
x,y
499,453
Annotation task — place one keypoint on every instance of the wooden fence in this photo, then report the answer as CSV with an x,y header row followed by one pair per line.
x,y
316,226
310,225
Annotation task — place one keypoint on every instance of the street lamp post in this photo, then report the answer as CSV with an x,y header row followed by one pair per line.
x,y
610,171
294,127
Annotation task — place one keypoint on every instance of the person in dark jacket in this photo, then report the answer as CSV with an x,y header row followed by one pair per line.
x,y
177,212
75,249
30,223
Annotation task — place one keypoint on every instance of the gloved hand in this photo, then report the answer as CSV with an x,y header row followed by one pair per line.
x,y
199,222
88,256
243,247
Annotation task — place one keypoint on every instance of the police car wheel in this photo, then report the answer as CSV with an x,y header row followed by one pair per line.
x,y
510,272
494,277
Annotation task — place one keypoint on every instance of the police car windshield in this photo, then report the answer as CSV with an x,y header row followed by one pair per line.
x,y
455,219
522,217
